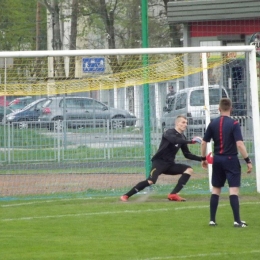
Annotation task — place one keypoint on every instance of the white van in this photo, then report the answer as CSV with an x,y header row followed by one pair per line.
x,y
190,103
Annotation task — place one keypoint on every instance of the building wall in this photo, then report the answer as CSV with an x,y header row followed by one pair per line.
x,y
211,10
219,23
222,28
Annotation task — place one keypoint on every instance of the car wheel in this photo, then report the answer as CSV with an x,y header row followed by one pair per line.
x,y
118,122
56,125
22,124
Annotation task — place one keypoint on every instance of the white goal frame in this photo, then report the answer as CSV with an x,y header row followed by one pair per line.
x,y
105,52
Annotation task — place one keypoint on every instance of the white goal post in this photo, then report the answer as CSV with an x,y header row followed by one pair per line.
x,y
249,50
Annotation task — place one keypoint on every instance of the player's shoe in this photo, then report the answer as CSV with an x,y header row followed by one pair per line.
x,y
212,223
175,197
124,198
242,224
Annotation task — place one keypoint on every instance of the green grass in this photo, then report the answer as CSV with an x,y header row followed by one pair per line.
x,y
147,227
26,138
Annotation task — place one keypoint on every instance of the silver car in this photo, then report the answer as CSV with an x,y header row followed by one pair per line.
x,y
190,102
82,112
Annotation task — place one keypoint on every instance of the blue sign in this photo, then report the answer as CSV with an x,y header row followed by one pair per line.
x,y
90,65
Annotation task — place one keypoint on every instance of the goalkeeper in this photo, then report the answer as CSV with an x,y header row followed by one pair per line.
x,y
163,162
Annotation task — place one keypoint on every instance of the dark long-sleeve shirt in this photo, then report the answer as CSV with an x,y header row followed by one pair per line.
x,y
170,144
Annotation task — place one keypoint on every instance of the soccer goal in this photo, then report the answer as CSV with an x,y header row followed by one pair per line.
x,y
98,115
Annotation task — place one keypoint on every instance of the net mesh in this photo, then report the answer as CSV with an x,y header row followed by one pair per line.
x,y
31,76
86,156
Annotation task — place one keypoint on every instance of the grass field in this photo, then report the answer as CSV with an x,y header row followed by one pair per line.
x,y
148,227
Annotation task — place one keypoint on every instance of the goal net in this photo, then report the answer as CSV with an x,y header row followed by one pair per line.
x,y
95,117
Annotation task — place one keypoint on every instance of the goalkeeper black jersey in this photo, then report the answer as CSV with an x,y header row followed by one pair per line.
x,y
170,144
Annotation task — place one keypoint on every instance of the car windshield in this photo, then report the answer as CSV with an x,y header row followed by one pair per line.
x,y
197,97
47,103
31,104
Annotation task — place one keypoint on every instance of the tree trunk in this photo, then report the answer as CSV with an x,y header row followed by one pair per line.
x,y
108,19
59,70
73,36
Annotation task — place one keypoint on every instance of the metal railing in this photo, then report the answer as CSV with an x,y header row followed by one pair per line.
x,y
31,142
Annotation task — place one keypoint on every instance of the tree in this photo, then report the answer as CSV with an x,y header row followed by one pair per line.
x,y
73,34
18,25
54,10
53,7
117,24
21,30
175,29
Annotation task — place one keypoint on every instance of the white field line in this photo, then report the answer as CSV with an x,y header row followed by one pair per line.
x,y
49,201
36,202
208,256
87,214
115,212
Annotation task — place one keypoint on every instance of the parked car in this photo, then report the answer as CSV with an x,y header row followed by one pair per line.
x,y
26,117
83,112
190,102
20,102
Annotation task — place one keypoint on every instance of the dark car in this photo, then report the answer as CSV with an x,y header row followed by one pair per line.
x,y
83,112
27,116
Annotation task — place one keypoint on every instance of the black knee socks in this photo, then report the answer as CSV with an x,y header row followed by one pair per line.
x,y
234,203
214,199
181,183
140,186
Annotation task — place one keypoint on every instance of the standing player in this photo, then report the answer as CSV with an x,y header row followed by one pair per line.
x,y
227,138
163,161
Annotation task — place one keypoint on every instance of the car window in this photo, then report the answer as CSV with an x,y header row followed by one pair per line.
x,y
75,103
30,105
39,105
181,101
97,105
78,103
197,97
171,103
70,103
88,103
21,101
16,106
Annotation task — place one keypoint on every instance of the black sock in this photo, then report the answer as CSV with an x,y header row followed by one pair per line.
x,y
181,183
234,203
213,206
140,186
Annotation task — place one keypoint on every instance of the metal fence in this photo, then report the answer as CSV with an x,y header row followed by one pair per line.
x,y
63,144
97,160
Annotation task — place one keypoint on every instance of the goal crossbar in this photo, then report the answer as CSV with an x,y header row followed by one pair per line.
x,y
12,54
